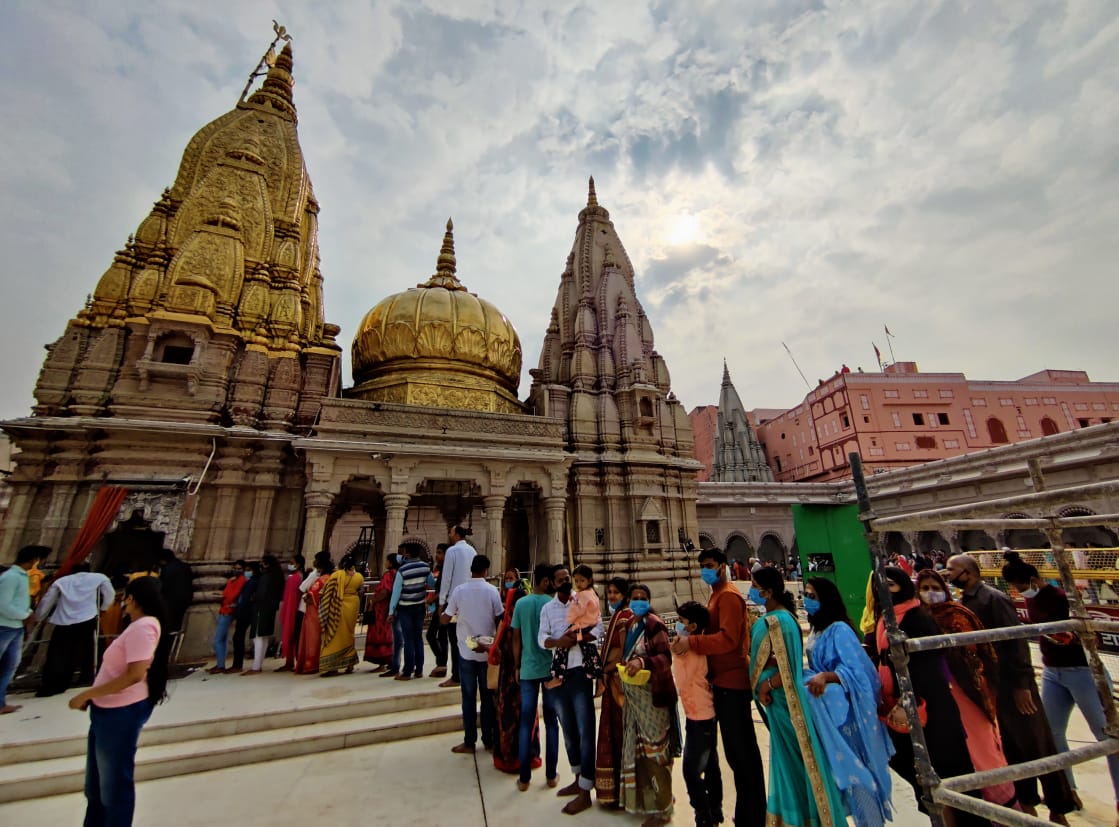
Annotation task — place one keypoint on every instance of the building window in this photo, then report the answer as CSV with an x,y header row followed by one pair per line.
x,y
866,420
997,431
176,349
811,450
1049,427
646,406
864,400
1084,423
1081,406
926,443
942,418
1099,406
946,394
918,419
1006,403
951,443
1048,400
653,533
892,394
979,403
846,421
778,461
902,446
897,419
920,394
1031,400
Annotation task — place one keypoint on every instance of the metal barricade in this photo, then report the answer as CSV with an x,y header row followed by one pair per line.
x,y
936,792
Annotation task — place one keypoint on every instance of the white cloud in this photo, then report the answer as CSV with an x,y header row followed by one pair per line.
x,y
949,169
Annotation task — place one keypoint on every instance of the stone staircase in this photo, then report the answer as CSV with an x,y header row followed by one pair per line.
x,y
35,769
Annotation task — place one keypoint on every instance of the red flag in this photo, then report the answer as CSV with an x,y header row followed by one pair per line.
x,y
888,333
877,355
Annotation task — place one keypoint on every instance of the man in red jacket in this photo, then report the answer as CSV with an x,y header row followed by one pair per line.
x,y
726,643
233,585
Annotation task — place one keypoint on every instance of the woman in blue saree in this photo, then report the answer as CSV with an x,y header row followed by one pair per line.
x,y
802,791
843,695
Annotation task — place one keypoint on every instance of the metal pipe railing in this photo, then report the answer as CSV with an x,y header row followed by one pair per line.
x,y
927,644
985,809
1028,769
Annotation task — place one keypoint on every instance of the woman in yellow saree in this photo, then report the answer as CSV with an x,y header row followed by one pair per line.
x,y
338,611
802,790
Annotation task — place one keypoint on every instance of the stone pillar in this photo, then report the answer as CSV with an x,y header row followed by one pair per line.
x,y
261,522
221,524
15,520
495,516
316,505
395,506
554,510
57,519
954,542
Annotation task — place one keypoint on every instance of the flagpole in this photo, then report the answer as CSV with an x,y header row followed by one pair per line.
x,y
890,342
807,384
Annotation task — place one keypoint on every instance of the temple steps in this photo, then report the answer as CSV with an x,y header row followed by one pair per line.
x,y
49,767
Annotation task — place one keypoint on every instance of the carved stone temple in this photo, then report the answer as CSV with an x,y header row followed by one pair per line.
x,y
202,376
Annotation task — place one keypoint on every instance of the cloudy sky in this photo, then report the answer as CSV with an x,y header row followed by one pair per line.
x,y
786,170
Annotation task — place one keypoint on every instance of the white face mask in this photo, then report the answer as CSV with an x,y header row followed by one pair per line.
x,y
1030,593
934,597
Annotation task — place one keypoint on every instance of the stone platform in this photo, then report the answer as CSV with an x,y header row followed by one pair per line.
x,y
279,749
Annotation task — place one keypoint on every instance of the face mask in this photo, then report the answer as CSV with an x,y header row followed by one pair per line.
x,y
710,576
639,607
934,597
510,584
811,605
248,575
1030,593
681,629
291,566
565,589
614,606
959,581
756,596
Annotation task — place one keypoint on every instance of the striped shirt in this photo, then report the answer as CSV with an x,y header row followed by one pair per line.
x,y
412,577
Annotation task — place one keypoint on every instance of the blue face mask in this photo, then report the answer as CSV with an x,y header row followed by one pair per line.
x,y
614,606
248,575
681,629
811,605
710,576
756,596
510,584
639,607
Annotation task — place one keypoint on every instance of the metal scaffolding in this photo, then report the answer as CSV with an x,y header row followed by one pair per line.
x,y
938,793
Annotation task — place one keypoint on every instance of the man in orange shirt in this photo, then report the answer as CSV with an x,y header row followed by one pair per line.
x,y
726,643
701,754
235,581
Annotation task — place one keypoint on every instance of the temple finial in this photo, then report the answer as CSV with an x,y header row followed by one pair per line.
x,y
276,90
726,372
592,199
446,266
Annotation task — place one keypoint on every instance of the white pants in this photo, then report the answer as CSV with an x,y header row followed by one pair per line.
x,y
260,644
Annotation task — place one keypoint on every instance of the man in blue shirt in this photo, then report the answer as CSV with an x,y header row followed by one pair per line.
x,y
15,614
534,665
408,606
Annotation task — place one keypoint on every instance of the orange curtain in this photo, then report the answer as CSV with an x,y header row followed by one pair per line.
x,y
105,507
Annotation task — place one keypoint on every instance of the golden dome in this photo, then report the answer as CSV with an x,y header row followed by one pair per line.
x,y
438,345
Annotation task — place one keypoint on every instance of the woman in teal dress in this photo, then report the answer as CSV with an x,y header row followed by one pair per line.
x,y
802,792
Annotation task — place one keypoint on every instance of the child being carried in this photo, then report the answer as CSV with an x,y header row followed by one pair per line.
x,y
584,613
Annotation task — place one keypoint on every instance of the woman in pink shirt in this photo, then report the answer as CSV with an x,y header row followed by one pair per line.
x,y
131,681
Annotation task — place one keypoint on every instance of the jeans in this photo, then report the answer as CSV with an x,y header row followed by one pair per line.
x,y
1063,687
702,775
740,746
453,652
110,760
437,640
410,619
530,689
11,650
397,646
221,639
575,705
241,628
473,684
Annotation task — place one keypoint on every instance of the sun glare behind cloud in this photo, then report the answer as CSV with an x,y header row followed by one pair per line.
x,y
685,229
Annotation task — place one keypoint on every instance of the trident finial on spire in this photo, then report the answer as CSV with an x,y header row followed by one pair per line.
x,y
446,265
269,58
592,199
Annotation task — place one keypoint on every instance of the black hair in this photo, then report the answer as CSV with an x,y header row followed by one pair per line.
x,y
347,562
1016,569
146,593
442,547
899,576
771,579
462,531
300,561
30,553
479,564
832,609
714,553
621,584
583,570
240,563
270,560
635,586
164,554
393,560
695,613
326,566
80,567
253,566
542,572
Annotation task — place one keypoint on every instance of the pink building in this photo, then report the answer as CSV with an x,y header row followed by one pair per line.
x,y
901,417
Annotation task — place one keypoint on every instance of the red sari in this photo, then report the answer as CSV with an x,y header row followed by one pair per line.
x,y
507,696
608,760
378,638
289,610
310,635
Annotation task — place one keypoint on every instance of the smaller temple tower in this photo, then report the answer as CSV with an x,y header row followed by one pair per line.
x,y
739,456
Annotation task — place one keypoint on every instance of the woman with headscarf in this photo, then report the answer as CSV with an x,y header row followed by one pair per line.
x,y
802,791
608,760
338,613
650,728
943,729
383,640
843,693
310,636
973,668
507,695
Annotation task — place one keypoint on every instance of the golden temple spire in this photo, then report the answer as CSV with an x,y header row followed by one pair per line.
x,y
446,266
276,91
592,199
